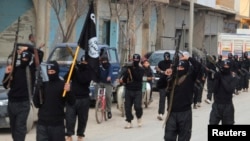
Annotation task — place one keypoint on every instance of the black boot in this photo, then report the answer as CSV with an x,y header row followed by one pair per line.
x,y
109,115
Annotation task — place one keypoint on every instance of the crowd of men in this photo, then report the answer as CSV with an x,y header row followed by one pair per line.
x,y
183,85
239,68
224,77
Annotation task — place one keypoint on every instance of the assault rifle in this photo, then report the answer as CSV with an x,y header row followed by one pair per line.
x,y
217,66
126,68
244,71
38,86
13,57
174,77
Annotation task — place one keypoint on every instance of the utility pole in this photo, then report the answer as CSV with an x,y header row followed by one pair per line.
x,y
191,26
40,30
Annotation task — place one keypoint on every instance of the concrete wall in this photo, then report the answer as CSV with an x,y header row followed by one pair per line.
x,y
153,29
226,3
10,11
207,25
244,8
45,24
199,24
172,20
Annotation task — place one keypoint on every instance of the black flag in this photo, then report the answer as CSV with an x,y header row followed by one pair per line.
x,y
88,42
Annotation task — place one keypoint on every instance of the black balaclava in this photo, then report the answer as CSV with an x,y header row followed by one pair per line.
x,y
236,57
53,65
25,54
82,65
166,56
105,62
185,65
136,60
220,57
82,58
226,70
230,55
245,55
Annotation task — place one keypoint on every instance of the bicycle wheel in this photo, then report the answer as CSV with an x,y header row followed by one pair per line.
x,y
98,111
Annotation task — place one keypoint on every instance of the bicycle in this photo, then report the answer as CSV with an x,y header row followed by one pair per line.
x,y
100,107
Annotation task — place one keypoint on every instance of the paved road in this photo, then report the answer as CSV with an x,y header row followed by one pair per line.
x,y
152,129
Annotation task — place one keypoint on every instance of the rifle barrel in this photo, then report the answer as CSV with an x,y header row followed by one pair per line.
x,y
13,56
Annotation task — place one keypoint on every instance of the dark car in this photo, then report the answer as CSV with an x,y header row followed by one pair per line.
x,y
63,53
4,118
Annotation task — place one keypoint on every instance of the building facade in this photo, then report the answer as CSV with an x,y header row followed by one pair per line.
x,y
133,29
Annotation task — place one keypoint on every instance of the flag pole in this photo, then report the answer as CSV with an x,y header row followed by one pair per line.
x,y
71,68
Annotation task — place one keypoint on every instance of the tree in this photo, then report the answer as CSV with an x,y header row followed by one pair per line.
x,y
74,9
134,13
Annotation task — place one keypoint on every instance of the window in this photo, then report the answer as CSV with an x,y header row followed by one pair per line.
x,y
63,54
106,32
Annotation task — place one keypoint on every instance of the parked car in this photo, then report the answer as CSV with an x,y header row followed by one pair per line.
x,y
4,116
63,53
4,119
154,59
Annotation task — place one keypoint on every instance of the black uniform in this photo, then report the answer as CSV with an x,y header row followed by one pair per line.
x,y
245,65
20,94
133,89
161,84
238,73
232,62
80,82
220,62
199,85
223,108
179,123
211,69
234,68
51,115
